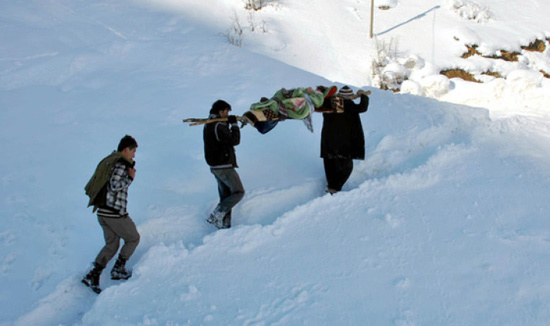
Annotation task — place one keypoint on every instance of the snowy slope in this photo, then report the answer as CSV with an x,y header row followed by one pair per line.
x,y
416,39
444,223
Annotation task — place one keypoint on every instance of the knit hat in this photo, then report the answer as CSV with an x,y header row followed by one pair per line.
x,y
218,106
346,92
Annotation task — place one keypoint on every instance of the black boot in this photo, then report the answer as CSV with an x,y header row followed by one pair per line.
x,y
92,278
227,220
119,271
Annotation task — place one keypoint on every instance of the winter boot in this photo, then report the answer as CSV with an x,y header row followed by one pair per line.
x,y
227,220
216,218
92,278
119,271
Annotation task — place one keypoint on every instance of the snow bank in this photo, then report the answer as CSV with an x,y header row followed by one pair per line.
x,y
444,222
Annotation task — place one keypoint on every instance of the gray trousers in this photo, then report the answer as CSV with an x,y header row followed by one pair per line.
x,y
230,189
115,229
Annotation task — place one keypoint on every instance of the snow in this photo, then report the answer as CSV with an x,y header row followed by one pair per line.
x,y
445,222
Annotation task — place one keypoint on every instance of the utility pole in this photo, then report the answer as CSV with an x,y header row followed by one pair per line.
x,y
371,16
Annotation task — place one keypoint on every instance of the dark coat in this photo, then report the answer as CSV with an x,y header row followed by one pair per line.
x,y
219,141
342,135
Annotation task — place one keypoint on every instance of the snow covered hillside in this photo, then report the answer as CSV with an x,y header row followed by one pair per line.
x,y
444,223
413,41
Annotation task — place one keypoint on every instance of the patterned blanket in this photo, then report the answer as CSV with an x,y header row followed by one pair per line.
x,y
298,104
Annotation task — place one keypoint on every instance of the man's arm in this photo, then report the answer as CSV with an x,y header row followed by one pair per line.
x,y
120,177
363,105
230,136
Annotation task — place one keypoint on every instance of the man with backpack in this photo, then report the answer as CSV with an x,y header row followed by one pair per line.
x,y
220,139
108,192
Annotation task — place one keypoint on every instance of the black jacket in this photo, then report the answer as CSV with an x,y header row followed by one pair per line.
x,y
342,135
219,141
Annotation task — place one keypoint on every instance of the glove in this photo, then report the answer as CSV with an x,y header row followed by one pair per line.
x,y
232,119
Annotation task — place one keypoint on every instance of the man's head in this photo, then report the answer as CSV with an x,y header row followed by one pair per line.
x,y
221,108
127,147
